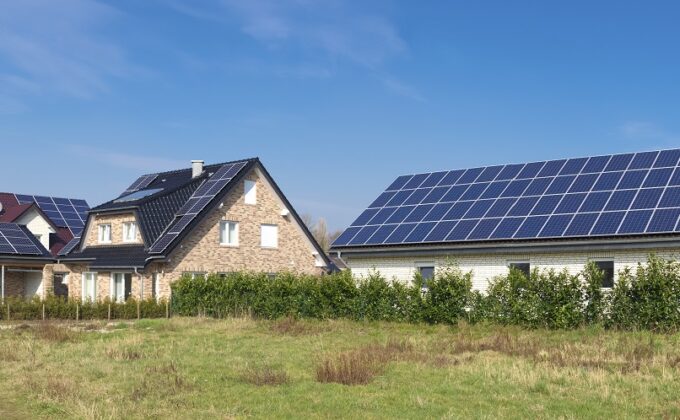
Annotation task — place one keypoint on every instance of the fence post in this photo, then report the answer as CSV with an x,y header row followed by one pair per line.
x,y
167,310
8,317
43,312
77,312
138,311
109,311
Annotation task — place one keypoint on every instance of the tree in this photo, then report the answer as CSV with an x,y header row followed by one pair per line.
x,y
319,230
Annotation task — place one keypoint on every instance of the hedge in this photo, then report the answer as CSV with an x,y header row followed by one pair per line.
x,y
64,309
645,298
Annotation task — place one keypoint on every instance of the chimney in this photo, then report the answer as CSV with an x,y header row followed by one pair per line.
x,y
196,168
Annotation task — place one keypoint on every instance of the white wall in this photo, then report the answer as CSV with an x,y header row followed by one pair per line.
x,y
37,225
486,267
33,284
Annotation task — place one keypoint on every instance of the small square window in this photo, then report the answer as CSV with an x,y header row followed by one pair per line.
x,y
269,236
250,192
608,268
105,234
522,266
426,273
228,233
129,232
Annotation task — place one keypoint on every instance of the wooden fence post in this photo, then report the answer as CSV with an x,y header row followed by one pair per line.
x,y
8,317
43,312
77,312
139,314
167,310
109,311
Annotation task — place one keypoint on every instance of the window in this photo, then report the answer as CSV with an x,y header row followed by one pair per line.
x,y
155,278
269,236
121,284
105,234
89,286
608,268
194,274
522,266
228,233
60,285
129,232
427,273
250,191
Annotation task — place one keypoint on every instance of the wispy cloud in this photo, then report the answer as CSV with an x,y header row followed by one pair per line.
x,y
329,30
648,132
145,164
55,47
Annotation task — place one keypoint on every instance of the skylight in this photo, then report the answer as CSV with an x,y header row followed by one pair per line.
x,y
137,195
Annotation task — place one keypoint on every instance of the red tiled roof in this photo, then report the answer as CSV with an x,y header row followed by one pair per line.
x,y
9,215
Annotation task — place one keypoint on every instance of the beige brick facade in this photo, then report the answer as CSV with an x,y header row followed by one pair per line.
x,y
116,221
201,251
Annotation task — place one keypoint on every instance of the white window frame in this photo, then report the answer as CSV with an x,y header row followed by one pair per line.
x,y
249,192
101,230
127,228
611,260
225,234
93,275
113,292
516,262
275,243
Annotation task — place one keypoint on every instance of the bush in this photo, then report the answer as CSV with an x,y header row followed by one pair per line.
x,y
59,308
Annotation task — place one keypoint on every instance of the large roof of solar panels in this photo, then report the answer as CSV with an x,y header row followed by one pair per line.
x,y
600,196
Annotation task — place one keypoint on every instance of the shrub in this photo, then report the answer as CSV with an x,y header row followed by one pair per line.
x,y
448,295
65,309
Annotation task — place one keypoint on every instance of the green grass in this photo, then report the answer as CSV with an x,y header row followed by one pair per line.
x,y
201,368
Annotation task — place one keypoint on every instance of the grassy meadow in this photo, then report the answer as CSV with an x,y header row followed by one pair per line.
x,y
234,368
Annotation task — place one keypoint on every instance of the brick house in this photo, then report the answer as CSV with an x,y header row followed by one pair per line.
x,y
34,230
205,219
613,210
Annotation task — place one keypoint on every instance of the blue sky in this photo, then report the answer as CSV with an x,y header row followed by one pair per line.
x,y
336,97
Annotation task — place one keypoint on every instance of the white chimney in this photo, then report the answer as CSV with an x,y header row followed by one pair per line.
x,y
196,168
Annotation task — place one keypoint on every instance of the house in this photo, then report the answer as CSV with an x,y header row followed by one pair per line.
x,y
613,210
33,230
218,218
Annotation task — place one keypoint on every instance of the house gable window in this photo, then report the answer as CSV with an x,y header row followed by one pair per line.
x,y
104,233
269,236
250,191
129,232
523,266
228,233
608,268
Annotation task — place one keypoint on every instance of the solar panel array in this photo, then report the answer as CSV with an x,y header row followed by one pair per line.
x,y
626,194
141,183
63,212
15,241
69,246
196,203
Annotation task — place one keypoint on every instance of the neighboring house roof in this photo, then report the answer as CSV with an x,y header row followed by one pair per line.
x,y
68,213
12,211
168,206
17,243
633,197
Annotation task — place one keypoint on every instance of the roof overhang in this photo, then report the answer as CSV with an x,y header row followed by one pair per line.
x,y
524,247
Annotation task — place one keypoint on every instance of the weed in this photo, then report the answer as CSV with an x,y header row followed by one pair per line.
x,y
265,375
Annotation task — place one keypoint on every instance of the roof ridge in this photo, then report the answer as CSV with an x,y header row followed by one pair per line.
x,y
175,171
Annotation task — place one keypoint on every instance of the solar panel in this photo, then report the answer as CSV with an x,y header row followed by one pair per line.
x,y
207,191
141,183
70,246
14,240
63,212
632,193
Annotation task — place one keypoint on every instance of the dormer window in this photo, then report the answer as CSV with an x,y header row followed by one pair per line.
x,y
105,233
129,232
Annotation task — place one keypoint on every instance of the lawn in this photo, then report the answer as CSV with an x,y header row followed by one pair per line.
x,y
203,368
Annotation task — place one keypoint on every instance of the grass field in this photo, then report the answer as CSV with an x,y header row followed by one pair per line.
x,y
201,368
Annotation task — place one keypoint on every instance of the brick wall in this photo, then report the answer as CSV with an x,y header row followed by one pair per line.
x,y
116,221
486,267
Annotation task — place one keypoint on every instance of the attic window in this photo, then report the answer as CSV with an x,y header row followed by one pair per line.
x,y
137,195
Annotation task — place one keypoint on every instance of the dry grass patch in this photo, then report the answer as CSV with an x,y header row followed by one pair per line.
x,y
265,375
53,332
162,380
124,354
57,388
